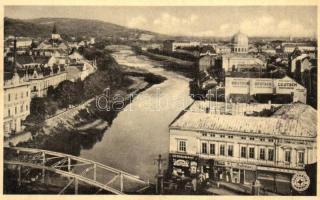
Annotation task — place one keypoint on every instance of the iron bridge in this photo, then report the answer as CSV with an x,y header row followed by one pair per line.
x,y
76,169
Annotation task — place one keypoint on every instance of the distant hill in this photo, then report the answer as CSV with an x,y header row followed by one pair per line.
x,y
42,27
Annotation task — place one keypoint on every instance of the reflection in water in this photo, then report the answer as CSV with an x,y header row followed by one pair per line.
x,y
66,141
75,141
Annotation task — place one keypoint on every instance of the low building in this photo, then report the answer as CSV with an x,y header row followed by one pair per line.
x,y
242,62
242,89
240,148
171,45
222,49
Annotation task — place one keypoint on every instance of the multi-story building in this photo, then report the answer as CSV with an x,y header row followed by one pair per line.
x,y
239,147
290,47
39,83
242,89
17,100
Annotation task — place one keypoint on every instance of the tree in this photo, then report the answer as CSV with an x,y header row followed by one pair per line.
x,y
37,109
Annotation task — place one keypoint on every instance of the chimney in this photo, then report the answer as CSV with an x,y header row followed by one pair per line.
x,y
14,54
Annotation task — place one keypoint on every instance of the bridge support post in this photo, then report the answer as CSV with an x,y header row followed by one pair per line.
x,y
76,184
19,175
69,164
121,182
94,171
43,163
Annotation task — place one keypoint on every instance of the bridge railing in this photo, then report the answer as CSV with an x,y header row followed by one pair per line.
x,y
91,172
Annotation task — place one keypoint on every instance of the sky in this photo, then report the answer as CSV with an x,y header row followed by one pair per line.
x,y
218,21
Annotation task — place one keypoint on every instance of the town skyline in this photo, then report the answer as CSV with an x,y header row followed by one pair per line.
x,y
186,21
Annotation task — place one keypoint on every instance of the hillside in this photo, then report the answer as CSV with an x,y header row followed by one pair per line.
x,y
42,27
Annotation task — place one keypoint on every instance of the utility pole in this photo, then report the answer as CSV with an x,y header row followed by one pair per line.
x,y
159,176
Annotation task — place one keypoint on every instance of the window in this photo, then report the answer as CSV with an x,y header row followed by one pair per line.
x,y
9,112
262,154
182,146
287,156
27,93
16,96
301,157
251,152
251,138
270,154
212,135
243,138
21,95
9,97
204,134
222,149
222,136
243,152
230,136
270,140
26,107
212,149
15,110
230,150
21,108
262,139
204,148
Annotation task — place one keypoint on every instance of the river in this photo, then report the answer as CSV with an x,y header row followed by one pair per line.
x,y
140,132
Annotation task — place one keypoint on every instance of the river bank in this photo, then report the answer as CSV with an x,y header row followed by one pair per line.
x,y
84,125
182,67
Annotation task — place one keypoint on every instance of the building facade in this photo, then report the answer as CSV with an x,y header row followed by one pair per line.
x,y
17,100
254,86
241,149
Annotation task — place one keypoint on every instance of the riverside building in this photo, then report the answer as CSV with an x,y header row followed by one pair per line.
x,y
244,143
17,100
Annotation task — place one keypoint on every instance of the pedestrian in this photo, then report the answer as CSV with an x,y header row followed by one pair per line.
x,y
194,184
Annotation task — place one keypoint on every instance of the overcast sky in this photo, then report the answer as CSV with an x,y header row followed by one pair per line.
x,y
196,21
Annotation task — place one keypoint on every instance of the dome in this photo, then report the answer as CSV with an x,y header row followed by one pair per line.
x,y
240,39
239,43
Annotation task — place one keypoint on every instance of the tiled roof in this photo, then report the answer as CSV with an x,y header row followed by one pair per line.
x,y
24,59
303,126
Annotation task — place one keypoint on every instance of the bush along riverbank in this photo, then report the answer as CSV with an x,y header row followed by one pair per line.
x,y
69,114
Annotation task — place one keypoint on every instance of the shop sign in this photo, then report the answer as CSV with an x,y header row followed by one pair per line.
x,y
183,156
242,166
181,163
220,163
276,169
300,181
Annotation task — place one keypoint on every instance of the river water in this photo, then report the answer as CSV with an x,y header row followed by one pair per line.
x,y
140,132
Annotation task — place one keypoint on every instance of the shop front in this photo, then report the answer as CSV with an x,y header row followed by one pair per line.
x,y
234,172
183,165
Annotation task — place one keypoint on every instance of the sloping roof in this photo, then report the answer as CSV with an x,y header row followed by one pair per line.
x,y
303,126
24,59
41,59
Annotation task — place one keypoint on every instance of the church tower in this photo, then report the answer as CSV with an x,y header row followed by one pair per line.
x,y
55,35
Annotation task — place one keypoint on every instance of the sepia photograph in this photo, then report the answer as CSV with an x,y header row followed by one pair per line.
x,y
160,100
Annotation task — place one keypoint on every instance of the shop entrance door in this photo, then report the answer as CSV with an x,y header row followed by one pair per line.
x,y
241,176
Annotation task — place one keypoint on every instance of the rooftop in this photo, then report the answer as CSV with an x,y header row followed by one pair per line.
x,y
291,120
